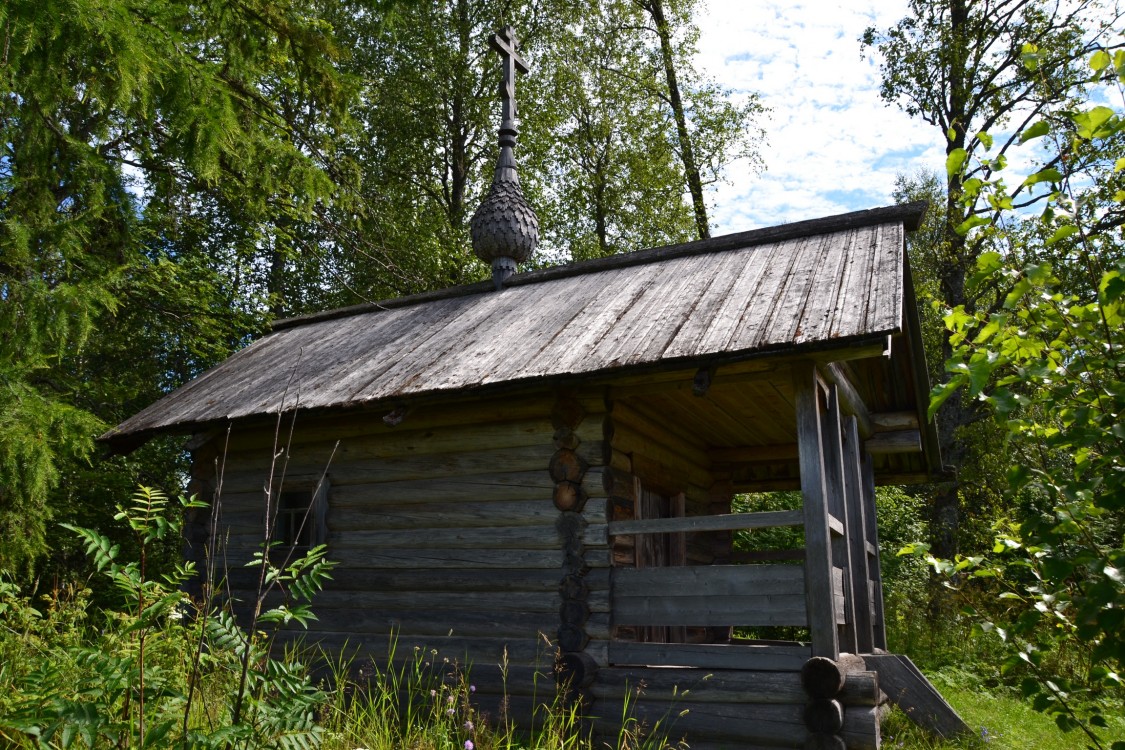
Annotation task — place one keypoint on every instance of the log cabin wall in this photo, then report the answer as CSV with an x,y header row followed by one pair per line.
x,y
447,533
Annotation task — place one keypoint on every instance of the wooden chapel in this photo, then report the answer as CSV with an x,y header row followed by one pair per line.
x,y
540,470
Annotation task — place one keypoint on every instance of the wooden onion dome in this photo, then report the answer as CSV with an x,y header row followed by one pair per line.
x,y
505,229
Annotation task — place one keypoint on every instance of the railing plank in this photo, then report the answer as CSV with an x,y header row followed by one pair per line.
x,y
710,595
724,522
710,655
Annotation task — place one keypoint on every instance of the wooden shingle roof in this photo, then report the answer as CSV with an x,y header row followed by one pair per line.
x,y
815,285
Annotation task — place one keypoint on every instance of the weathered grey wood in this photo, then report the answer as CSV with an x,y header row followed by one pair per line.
x,y
749,610
836,487
726,522
886,304
786,288
481,488
861,689
853,297
857,541
446,518
874,570
709,580
752,454
907,215
516,537
455,619
244,477
463,580
816,319
835,525
593,322
710,656
628,439
818,544
644,331
839,596
386,648
703,686
728,313
824,715
417,415
810,289
401,602
818,741
364,558
825,678
442,514
448,344
909,689
891,421
851,402
861,728
636,418
892,443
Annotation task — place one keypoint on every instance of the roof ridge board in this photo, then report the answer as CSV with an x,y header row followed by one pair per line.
x,y
910,214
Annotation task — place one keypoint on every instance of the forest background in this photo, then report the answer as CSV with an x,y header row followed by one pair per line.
x,y
175,175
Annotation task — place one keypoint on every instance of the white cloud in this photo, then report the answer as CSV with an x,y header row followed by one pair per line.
x,y
833,144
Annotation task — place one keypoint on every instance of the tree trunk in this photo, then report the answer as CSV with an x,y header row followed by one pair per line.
x,y
655,9
459,161
945,513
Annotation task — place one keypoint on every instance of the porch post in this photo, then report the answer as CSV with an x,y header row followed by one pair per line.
x,y
879,624
858,542
818,544
837,481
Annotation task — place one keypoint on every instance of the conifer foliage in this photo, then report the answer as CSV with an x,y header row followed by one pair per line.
x,y
129,132
174,174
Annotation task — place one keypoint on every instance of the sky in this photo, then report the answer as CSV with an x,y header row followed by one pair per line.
x,y
832,145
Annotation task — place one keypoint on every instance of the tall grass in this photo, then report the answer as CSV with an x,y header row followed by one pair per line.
x,y
164,670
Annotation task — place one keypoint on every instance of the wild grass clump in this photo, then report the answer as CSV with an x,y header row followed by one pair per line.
x,y
163,669
421,702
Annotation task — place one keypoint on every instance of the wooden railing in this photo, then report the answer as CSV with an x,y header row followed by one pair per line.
x,y
714,595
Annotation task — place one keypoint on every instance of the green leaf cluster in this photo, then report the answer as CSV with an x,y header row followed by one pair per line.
x,y
163,670
1047,358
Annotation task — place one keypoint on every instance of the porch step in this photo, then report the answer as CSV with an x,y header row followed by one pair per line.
x,y
909,689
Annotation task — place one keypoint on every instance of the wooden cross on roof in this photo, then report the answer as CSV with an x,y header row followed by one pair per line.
x,y
506,43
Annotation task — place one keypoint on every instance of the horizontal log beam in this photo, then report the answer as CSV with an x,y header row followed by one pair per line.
x,y
710,656
899,441
890,421
749,610
724,522
701,686
850,400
